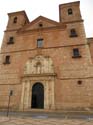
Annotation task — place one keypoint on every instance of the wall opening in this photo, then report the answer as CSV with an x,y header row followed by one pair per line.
x,y
37,96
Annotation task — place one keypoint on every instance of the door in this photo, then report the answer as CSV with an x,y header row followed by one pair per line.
x,y
37,96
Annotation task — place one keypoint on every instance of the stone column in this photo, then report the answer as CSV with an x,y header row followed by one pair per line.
x,y
30,95
26,95
22,96
46,95
52,95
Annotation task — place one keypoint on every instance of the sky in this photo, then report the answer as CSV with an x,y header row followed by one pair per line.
x,y
46,8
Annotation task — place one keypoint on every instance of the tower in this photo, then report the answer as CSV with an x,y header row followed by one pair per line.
x,y
16,20
70,12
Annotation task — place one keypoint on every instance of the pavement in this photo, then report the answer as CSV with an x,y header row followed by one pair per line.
x,y
43,121
44,118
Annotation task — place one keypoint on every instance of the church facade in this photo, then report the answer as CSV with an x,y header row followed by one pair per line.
x,y
45,64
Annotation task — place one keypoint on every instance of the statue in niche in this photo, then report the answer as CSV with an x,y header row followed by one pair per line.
x,y
38,67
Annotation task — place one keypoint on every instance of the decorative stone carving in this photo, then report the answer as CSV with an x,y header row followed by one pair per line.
x,y
39,65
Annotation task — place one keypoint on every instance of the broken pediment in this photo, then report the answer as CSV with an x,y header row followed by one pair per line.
x,y
39,65
40,22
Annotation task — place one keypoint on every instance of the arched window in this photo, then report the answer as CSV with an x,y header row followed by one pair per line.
x,y
15,20
70,12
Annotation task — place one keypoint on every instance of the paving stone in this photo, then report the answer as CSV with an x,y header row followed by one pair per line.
x,y
40,121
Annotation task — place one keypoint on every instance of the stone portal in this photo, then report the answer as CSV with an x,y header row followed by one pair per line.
x,y
38,84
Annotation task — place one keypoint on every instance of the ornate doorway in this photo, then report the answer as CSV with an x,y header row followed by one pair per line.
x,y
37,96
38,84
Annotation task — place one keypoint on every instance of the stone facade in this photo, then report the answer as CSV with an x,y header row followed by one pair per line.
x,y
56,55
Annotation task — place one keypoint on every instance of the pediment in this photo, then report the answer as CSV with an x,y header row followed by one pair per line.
x,y
40,22
39,65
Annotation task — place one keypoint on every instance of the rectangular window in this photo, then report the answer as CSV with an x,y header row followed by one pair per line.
x,y
15,20
11,40
76,53
39,42
7,60
73,33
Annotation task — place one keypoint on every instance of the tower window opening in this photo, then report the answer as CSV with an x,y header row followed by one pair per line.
x,y
70,12
15,20
73,33
76,53
7,60
11,40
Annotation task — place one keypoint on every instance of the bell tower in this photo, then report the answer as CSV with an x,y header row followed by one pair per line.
x,y
70,12
17,20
